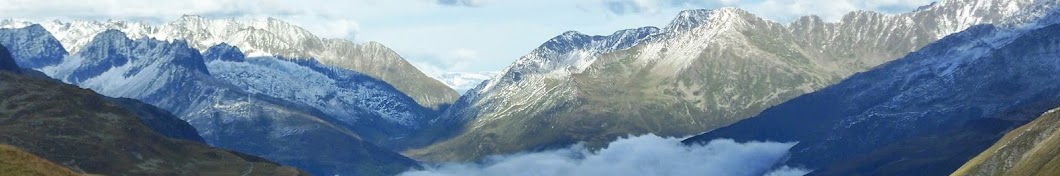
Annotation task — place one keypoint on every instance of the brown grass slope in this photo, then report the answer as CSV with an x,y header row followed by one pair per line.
x,y
14,161
1032,149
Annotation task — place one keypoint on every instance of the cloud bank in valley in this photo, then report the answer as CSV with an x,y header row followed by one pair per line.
x,y
641,155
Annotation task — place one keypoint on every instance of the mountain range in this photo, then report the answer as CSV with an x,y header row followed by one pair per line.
x,y
705,70
924,114
958,85
175,77
263,37
83,132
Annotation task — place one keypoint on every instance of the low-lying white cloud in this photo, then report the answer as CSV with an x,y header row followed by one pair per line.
x,y
641,155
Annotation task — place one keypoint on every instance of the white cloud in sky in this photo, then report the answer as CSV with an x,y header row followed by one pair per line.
x,y
622,7
460,58
641,155
429,31
448,61
468,3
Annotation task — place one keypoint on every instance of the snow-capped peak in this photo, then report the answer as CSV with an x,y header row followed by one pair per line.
x,y
690,19
224,52
959,14
258,37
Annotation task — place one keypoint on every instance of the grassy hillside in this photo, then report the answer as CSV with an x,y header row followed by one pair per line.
x,y
1032,149
14,161
81,130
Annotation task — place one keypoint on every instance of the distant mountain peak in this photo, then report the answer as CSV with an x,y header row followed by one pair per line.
x,y
556,55
110,49
111,34
567,40
637,31
224,52
690,19
35,27
925,7
14,23
571,33
32,45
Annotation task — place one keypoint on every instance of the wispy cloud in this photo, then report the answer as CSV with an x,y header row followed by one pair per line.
x,y
641,155
623,7
467,3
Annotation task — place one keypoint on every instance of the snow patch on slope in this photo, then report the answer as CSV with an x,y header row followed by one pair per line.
x,y
340,93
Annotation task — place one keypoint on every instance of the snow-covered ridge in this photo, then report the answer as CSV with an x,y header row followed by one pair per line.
x,y
33,45
263,38
202,32
256,37
959,14
694,30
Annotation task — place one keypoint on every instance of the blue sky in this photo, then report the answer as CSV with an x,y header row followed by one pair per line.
x,y
444,35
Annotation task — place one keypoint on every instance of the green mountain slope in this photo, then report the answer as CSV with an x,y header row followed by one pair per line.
x,y
85,132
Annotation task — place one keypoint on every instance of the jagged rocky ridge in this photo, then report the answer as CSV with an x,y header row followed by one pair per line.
x,y
265,37
36,48
371,108
159,120
707,69
175,77
924,114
